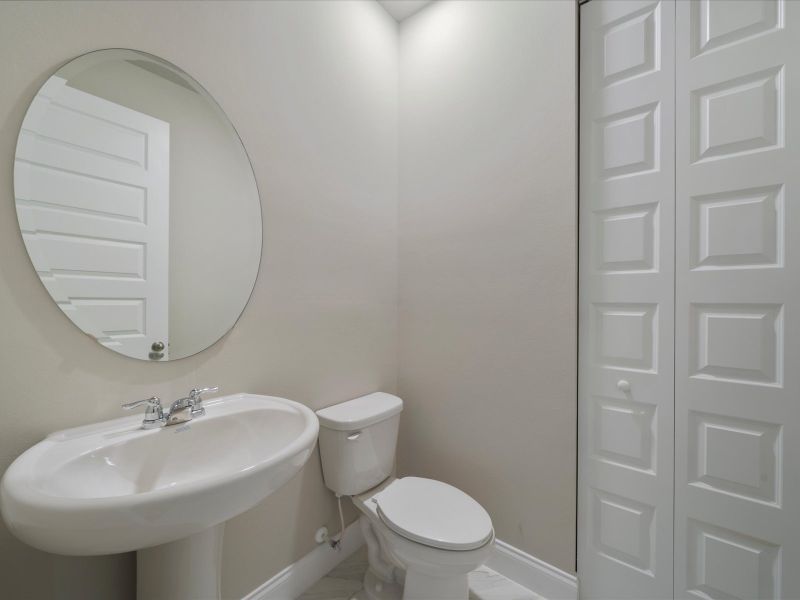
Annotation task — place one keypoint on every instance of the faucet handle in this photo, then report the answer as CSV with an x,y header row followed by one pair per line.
x,y
150,402
196,393
153,415
197,401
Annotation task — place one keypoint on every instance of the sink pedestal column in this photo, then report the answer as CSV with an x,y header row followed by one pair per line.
x,y
186,569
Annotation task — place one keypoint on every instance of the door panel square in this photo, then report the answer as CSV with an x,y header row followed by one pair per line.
x,y
737,343
741,457
624,433
627,239
720,23
625,336
630,45
624,530
727,564
739,229
739,116
628,142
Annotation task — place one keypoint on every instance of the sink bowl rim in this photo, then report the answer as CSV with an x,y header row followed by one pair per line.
x,y
18,483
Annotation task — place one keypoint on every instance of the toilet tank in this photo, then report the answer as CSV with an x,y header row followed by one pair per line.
x,y
357,440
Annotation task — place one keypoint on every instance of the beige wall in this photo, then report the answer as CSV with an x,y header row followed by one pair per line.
x,y
488,262
312,89
487,254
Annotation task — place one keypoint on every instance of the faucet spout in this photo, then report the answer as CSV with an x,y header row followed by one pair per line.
x,y
179,415
181,411
185,409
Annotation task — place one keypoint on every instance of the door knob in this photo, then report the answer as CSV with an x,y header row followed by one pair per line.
x,y
157,347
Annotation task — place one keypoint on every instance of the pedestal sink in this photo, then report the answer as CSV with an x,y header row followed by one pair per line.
x,y
114,487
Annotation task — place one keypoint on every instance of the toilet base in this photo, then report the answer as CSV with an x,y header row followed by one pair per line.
x,y
402,569
418,586
382,577
377,589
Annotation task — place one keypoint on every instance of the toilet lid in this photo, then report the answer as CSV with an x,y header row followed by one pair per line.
x,y
433,513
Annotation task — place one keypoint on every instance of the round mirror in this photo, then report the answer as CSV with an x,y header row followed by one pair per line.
x,y
138,205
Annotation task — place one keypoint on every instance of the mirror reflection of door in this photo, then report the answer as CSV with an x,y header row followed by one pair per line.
x,y
138,205
95,217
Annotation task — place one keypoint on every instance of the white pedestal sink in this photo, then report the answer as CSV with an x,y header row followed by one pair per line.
x,y
114,487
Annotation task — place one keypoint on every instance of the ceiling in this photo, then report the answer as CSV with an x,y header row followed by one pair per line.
x,y
402,9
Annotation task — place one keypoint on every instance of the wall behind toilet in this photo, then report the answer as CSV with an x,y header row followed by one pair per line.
x,y
487,247
488,261
312,90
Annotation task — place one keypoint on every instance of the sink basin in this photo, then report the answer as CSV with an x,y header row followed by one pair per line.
x,y
114,487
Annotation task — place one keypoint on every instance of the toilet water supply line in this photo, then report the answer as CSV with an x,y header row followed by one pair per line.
x,y
381,567
334,541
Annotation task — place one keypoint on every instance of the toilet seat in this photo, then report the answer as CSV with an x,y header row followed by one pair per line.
x,y
433,513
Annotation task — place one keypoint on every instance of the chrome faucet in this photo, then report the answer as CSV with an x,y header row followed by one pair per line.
x,y
182,410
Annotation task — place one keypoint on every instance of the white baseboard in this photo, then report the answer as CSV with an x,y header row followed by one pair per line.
x,y
526,570
538,576
298,577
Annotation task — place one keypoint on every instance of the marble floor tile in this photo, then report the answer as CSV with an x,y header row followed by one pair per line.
x,y
342,582
486,584
353,567
346,579
331,588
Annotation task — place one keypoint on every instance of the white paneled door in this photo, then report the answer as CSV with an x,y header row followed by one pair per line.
x,y
737,401
627,234
92,183
713,185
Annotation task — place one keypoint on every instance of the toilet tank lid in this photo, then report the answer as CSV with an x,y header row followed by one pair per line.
x,y
360,412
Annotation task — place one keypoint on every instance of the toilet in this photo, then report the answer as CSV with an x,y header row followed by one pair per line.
x,y
423,536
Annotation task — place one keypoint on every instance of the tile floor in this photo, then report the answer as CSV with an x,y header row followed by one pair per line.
x,y
345,580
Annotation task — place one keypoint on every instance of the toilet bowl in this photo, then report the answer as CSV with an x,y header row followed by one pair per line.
x,y
434,533
423,536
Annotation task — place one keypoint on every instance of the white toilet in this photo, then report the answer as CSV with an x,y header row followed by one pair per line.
x,y
433,532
